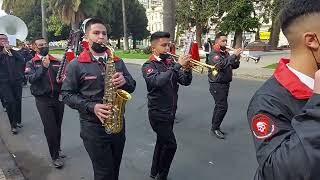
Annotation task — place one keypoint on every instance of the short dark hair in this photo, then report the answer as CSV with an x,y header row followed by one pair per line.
x,y
91,22
35,39
219,34
159,34
3,35
295,9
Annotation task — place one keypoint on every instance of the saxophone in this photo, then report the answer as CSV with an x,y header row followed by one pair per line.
x,y
113,96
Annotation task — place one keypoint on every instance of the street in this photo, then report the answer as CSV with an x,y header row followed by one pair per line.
x,y
200,155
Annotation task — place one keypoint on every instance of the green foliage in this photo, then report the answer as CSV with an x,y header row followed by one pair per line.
x,y
239,17
137,20
131,55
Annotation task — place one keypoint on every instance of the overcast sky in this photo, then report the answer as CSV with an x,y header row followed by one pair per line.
x,y
1,11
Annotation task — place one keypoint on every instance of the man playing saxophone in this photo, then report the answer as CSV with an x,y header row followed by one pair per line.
x,y
84,89
162,77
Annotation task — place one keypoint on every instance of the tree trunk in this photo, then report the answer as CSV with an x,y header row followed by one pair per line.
x,y
118,44
43,18
169,20
134,43
125,35
237,43
199,29
257,36
275,33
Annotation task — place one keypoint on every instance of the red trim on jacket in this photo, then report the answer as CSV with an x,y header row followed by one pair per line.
x,y
85,56
37,58
291,82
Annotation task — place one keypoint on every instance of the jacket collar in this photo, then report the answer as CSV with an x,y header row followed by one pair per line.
x,y
37,58
291,82
153,58
86,57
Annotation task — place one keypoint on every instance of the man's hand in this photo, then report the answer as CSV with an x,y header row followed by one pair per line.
x,y
317,83
45,61
184,60
118,79
237,52
102,111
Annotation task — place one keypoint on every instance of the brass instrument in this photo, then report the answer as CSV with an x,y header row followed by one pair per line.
x,y
247,56
113,96
195,63
7,51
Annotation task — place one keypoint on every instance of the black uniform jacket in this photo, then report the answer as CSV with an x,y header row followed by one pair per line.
x,y
43,80
225,63
11,67
83,86
162,78
284,116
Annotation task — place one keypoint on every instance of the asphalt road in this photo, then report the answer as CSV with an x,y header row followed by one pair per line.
x,y
200,156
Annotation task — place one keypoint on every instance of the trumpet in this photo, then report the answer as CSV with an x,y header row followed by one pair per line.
x,y
247,56
213,68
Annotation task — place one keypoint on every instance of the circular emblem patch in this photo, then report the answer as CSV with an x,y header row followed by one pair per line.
x,y
148,70
262,126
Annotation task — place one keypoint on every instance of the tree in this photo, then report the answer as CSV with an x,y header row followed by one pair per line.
x,y
56,29
197,13
29,11
44,19
277,6
169,17
125,31
239,19
73,11
138,29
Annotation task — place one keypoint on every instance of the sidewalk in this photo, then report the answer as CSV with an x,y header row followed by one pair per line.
x,y
8,167
247,70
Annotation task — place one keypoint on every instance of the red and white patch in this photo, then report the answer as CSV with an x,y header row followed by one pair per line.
x,y
148,70
262,126
90,77
27,70
216,57
56,65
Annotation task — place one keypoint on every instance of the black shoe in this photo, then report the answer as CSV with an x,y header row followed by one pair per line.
x,y
218,134
19,125
61,154
153,176
14,131
160,178
58,163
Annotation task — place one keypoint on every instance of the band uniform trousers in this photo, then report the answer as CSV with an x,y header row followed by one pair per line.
x,y
220,92
165,147
51,113
105,151
11,95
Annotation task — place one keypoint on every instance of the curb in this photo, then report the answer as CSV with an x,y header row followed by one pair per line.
x,y
8,167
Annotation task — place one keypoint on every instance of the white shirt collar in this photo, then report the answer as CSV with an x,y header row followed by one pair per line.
x,y
104,56
308,81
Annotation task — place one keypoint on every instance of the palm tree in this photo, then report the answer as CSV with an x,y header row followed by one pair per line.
x,y
73,11
7,5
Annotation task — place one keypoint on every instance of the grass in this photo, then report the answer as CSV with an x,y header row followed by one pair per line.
x,y
131,55
271,66
119,53
57,51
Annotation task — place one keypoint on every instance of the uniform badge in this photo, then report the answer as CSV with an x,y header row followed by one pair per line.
x,y
27,69
216,57
262,126
148,70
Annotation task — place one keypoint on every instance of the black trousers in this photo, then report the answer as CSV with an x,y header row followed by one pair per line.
x,y
166,145
11,95
51,113
220,93
105,151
